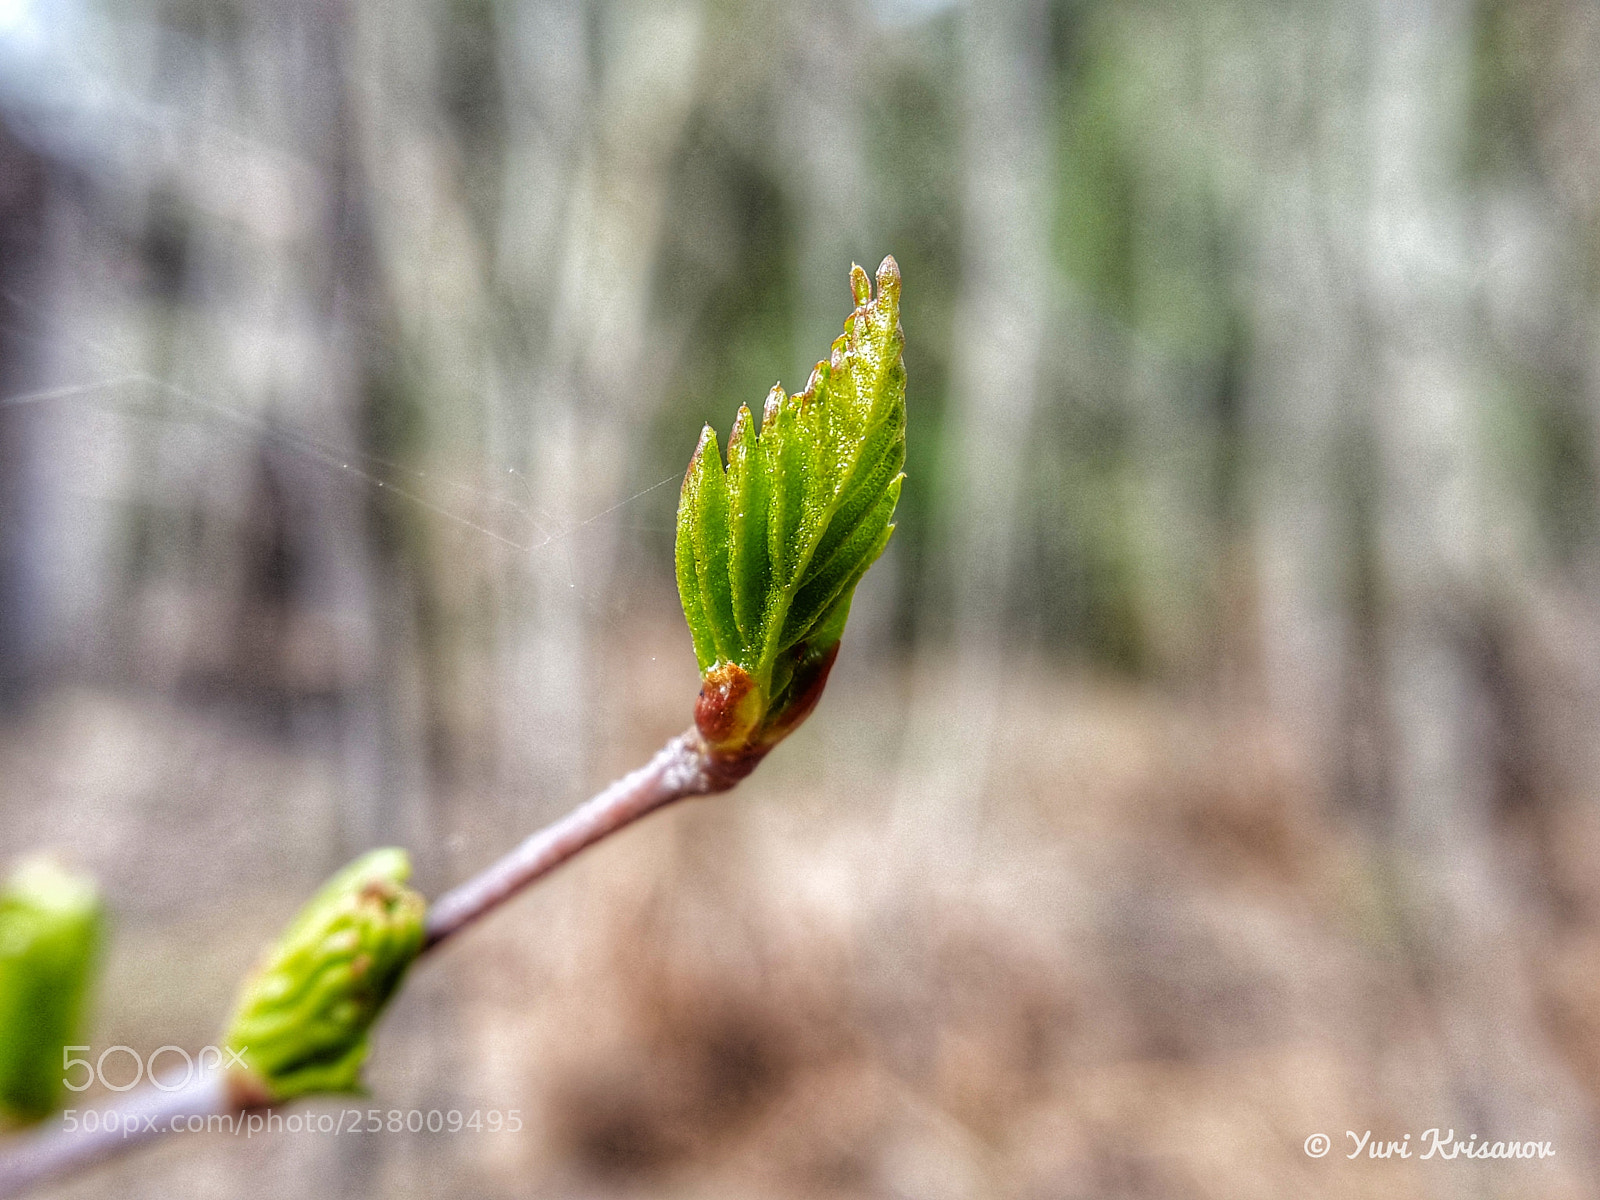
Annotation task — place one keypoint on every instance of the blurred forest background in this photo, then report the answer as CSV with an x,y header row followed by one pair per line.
x,y
1212,758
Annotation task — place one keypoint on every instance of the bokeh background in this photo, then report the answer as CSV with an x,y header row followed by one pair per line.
x,y
1212,759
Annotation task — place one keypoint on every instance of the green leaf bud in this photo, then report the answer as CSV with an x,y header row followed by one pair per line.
x,y
304,1013
771,546
50,933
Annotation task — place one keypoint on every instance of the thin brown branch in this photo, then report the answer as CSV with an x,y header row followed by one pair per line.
x,y
146,1115
683,767
680,768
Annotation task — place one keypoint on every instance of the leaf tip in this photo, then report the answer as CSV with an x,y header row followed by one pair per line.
x,y
818,378
706,444
860,287
775,399
889,276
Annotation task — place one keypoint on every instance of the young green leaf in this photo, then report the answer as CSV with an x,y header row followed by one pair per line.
x,y
50,927
770,549
303,1015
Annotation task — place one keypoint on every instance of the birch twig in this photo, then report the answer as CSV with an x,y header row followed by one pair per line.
x,y
683,767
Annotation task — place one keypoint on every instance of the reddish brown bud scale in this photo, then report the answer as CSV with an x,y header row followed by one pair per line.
x,y
729,707
803,697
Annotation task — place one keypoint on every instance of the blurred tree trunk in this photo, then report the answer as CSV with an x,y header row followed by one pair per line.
x,y
25,195
369,604
559,389
592,388
824,159
1000,326
1454,898
1306,440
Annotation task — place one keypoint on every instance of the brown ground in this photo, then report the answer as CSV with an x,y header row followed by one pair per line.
x,y
1150,965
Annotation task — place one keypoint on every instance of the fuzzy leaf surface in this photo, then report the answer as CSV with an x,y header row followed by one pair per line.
x,y
771,546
